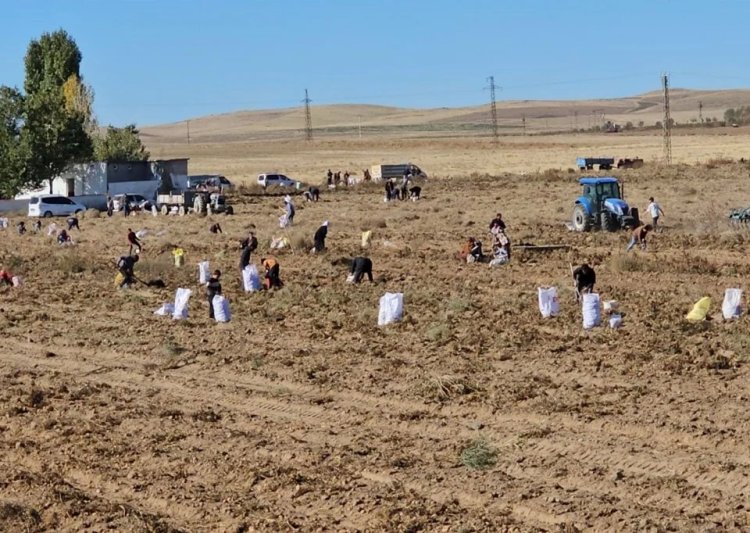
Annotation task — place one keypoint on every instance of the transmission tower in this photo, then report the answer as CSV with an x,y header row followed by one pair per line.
x,y
493,106
700,112
667,122
308,118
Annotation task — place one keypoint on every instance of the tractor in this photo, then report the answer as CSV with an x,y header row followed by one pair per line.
x,y
601,206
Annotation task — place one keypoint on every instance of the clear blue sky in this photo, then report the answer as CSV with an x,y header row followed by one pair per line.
x,y
155,61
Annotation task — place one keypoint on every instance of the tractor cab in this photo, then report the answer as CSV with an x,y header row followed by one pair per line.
x,y
601,204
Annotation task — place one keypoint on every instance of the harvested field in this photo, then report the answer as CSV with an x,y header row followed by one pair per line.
x,y
472,414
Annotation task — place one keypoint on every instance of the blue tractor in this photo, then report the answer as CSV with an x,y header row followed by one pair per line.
x,y
601,206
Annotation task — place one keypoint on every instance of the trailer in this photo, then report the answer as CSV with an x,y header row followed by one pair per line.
x,y
587,163
196,201
384,172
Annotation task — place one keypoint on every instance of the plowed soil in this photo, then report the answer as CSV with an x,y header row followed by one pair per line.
x,y
301,414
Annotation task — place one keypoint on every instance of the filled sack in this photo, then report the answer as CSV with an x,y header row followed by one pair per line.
x,y
549,303
251,278
221,308
699,310
391,308
181,304
732,306
203,272
592,315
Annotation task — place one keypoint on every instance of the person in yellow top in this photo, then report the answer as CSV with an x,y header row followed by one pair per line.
x,y
271,267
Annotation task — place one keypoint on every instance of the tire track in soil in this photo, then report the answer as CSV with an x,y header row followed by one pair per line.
x,y
132,376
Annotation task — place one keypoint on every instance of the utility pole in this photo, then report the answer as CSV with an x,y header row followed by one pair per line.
x,y
523,120
187,123
308,118
700,111
493,107
667,122
359,121
575,118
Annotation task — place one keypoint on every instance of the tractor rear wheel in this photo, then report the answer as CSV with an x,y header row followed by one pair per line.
x,y
609,222
581,220
636,216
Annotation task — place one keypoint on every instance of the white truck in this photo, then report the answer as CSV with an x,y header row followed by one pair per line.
x,y
381,172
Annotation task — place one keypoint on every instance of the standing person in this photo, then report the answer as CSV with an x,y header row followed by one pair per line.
x,y
272,269
134,242
21,227
73,223
405,185
388,190
37,227
360,267
639,237
329,177
213,287
288,218
110,206
245,254
655,211
585,279
125,206
319,239
497,223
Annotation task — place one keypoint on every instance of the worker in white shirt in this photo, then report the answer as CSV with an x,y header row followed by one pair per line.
x,y
655,211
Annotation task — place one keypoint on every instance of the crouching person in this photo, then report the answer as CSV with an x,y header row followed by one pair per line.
x,y
272,269
360,267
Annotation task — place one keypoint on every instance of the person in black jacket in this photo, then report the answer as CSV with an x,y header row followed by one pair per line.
x,y
213,287
126,265
320,238
360,267
585,278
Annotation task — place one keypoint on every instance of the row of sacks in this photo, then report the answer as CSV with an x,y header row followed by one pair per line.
x,y
179,309
391,307
591,308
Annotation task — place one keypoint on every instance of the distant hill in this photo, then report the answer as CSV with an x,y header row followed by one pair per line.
x,y
540,115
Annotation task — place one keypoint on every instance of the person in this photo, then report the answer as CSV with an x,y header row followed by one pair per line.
x,y
585,278
110,206
245,254
639,237
272,269
329,176
388,190
476,250
126,265
125,206
497,224
366,174
64,238
312,194
213,287
289,211
360,267
346,178
319,239
472,249
405,185
21,227
134,242
655,211
37,227
415,193
73,223
251,241
6,278
215,228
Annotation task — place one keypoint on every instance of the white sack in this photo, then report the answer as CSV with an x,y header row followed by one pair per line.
x,y
251,278
391,308
549,303
166,309
592,314
221,308
181,304
203,272
732,306
615,321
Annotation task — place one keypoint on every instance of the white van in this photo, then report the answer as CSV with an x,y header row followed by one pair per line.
x,y
49,205
269,180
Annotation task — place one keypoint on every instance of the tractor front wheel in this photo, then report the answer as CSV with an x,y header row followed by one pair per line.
x,y
609,222
581,220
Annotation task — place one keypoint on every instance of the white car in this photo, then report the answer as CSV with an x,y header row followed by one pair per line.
x,y
268,180
49,205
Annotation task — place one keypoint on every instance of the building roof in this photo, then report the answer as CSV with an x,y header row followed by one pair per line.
x,y
593,180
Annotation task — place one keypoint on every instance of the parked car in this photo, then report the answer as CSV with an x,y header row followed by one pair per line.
x,y
49,205
268,180
135,201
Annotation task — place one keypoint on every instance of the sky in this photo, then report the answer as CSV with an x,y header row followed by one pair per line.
x,y
158,61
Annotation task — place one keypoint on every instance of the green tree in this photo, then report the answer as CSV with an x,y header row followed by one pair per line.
x,y
50,61
12,150
120,144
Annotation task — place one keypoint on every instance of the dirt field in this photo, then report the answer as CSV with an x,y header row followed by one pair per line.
x,y
302,414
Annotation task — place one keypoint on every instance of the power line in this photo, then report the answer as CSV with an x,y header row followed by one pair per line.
x,y
493,107
308,118
667,122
